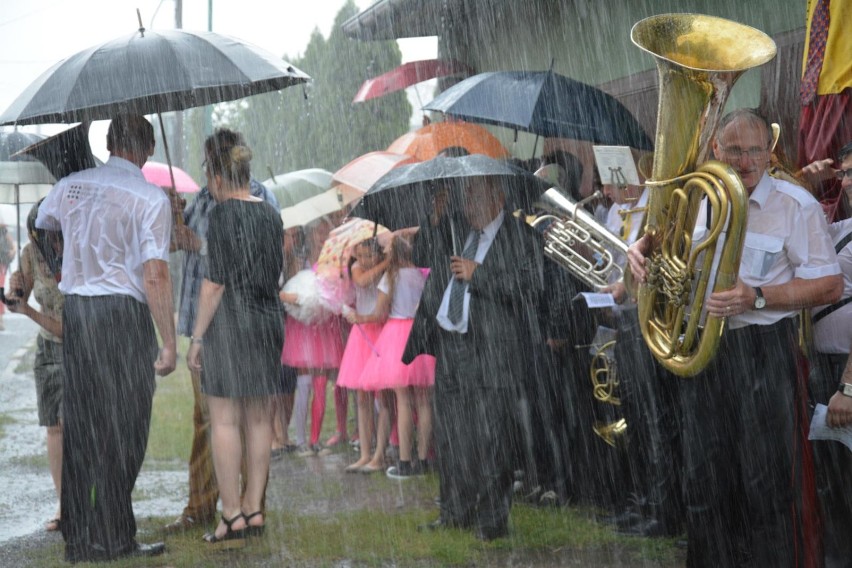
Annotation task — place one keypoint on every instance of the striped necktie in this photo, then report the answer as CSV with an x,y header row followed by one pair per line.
x,y
458,288
816,51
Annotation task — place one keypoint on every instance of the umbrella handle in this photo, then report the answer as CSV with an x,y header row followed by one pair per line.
x,y
178,217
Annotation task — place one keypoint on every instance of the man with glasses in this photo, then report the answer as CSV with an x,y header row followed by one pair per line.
x,y
744,425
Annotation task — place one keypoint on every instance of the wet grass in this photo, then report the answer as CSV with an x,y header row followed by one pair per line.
x,y
5,420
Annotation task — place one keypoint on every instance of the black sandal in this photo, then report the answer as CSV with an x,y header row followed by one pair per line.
x,y
254,530
231,538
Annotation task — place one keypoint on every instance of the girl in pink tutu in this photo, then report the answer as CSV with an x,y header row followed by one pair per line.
x,y
313,344
399,293
367,269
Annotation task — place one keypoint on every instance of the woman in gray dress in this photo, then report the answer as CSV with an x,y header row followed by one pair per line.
x,y
238,336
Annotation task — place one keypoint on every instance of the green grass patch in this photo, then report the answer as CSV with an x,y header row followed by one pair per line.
x,y
5,420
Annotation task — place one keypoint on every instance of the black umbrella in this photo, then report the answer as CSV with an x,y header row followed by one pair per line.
x,y
150,72
544,103
402,197
64,153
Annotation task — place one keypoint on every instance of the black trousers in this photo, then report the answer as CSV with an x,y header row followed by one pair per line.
x,y
109,353
833,462
475,439
745,454
650,403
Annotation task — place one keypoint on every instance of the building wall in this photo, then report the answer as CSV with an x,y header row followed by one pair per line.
x,y
589,40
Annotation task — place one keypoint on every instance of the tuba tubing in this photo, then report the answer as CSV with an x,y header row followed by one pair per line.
x,y
699,58
577,242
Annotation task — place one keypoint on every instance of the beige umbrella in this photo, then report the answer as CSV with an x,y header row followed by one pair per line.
x,y
326,203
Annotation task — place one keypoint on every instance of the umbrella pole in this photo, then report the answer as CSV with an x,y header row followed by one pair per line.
x,y
18,214
535,145
178,216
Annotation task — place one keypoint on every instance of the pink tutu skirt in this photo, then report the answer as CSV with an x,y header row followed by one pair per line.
x,y
386,370
357,352
312,346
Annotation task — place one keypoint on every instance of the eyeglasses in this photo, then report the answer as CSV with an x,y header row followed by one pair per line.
x,y
840,174
735,152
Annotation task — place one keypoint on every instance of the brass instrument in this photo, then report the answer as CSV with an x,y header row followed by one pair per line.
x,y
604,382
577,242
698,60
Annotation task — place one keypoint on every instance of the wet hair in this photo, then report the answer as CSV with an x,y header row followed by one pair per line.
x,y
844,152
400,257
373,245
453,152
130,133
47,243
228,156
751,116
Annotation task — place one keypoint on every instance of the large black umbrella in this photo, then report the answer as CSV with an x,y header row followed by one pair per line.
x,y
544,103
150,72
402,197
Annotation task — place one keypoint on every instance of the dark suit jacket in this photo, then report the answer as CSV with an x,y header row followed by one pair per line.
x,y
505,297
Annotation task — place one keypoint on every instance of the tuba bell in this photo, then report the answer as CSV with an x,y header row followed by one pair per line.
x,y
699,58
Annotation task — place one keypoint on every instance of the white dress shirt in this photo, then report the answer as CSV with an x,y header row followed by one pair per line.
x,y
113,221
485,240
833,333
786,237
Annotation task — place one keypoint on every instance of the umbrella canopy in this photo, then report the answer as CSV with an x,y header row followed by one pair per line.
x,y
64,153
409,74
326,203
544,103
148,72
362,172
158,174
403,196
427,142
23,179
293,187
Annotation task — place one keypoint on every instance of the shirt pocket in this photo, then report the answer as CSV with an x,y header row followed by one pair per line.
x,y
760,253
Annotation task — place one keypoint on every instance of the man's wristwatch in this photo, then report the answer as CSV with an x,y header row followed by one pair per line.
x,y
844,389
759,300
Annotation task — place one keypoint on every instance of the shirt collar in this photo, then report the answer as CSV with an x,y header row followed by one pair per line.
x,y
126,165
491,228
762,190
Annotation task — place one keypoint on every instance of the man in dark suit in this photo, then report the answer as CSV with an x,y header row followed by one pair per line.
x,y
479,316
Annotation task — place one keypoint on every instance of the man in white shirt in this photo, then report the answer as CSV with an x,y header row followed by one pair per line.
x,y
115,279
830,375
745,429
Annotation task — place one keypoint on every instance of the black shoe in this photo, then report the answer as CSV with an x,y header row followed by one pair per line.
x,y
625,520
487,534
143,550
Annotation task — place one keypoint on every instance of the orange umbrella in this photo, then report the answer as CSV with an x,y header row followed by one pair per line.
x,y
361,173
426,143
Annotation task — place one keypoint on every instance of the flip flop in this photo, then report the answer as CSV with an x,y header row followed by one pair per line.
x,y
52,525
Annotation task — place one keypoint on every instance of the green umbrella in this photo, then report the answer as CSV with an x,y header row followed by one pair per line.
x,y
293,187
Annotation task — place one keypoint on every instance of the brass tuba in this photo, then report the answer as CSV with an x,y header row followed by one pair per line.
x,y
698,60
604,384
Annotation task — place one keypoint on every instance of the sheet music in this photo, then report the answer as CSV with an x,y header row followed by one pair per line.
x,y
597,299
821,431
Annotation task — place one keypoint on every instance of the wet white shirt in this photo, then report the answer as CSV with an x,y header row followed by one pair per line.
x,y
833,333
787,237
365,299
406,292
485,240
113,222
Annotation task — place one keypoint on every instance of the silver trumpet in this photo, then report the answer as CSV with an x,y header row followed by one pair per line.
x,y
577,242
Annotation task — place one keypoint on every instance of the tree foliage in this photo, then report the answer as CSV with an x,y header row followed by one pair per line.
x,y
316,125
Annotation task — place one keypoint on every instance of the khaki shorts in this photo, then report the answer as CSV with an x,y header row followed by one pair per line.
x,y
48,379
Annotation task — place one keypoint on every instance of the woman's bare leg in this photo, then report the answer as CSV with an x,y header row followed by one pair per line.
x,y
382,433
404,423
258,436
225,442
54,460
423,403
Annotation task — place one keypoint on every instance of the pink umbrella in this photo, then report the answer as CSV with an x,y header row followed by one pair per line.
x,y
158,174
409,74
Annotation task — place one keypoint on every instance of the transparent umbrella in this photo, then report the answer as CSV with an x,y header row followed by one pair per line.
x,y
292,187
